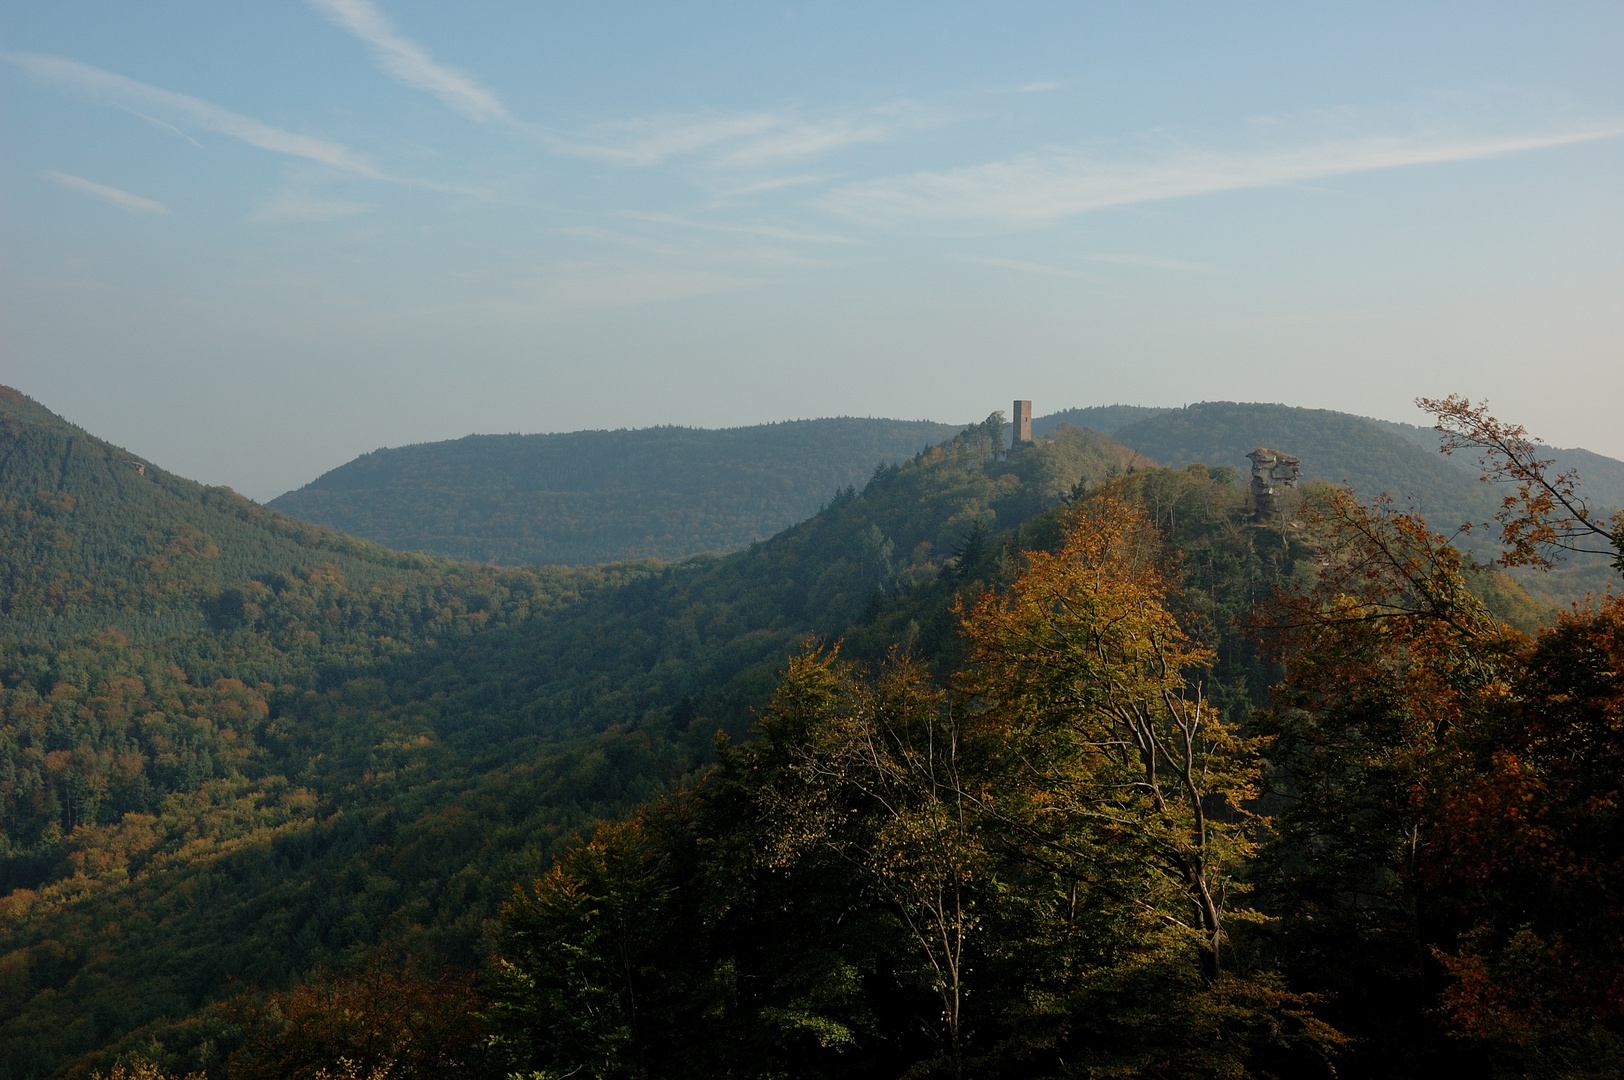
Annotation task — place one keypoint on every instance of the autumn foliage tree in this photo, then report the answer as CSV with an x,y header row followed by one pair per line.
x,y
1090,690
1529,857
1036,867
1389,656
1543,512
1445,855
382,1023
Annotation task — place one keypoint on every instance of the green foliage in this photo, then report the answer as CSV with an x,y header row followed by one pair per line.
x,y
1334,446
234,746
248,764
870,889
1108,419
598,496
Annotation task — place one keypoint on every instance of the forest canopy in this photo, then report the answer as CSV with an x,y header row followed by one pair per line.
x,y
1049,762
589,497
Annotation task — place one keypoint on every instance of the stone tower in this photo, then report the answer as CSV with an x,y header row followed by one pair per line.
x,y
1021,421
1271,471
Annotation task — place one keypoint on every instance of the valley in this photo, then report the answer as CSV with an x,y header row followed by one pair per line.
x,y
242,751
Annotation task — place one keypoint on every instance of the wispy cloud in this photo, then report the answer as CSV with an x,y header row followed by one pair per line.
x,y
1033,189
1152,261
1030,267
772,232
651,140
1037,87
106,88
741,141
161,126
297,206
773,183
585,286
410,63
107,194
807,140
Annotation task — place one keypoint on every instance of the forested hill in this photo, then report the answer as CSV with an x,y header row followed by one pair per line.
x,y
1334,446
1372,456
1107,419
1601,478
98,540
1369,454
235,748
599,496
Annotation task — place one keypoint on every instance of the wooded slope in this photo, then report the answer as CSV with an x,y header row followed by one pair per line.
x,y
234,746
601,496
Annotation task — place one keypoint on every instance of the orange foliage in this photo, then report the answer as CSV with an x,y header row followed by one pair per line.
x,y
1530,825
1092,688
382,1024
1545,513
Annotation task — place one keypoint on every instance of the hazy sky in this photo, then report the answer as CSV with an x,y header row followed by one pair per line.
x,y
250,241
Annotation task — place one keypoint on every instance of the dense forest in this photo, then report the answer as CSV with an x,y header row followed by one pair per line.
x,y
238,746
595,496
1602,478
1044,763
592,497
1335,446
1372,457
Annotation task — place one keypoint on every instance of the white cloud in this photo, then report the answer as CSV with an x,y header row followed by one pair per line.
x,y
106,88
806,140
102,191
774,183
408,62
1033,189
292,206
1038,87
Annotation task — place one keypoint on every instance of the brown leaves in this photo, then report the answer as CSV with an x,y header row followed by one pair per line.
x,y
380,1023
1544,514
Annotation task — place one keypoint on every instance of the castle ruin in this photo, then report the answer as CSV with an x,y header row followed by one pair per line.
x,y
1271,472
1022,424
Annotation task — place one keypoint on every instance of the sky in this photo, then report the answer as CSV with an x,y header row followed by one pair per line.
x,y
251,241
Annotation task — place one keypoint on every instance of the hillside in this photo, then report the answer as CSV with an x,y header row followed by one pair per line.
x,y
1107,419
240,753
234,746
1602,478
601,496
1333,446
598,496
1374,456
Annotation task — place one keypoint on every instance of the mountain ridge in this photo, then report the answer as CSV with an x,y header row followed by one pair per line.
x,y
236,745
599,496
670,492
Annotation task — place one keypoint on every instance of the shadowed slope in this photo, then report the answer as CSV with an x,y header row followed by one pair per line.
x,y
599,496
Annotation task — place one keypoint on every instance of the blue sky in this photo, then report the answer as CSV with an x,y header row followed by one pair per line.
x,y
250,241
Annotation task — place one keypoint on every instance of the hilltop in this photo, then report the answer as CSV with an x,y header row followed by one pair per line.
x,y
1602,478
1371,456
234,745
598,496
602,496
239,751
